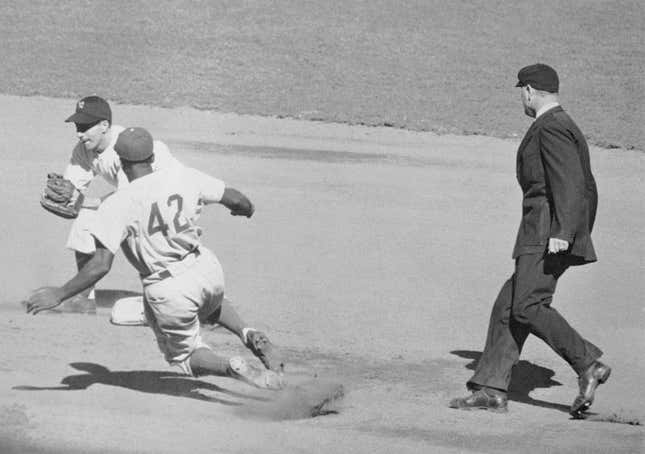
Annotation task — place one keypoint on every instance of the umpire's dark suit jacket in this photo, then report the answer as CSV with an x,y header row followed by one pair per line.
x,y
560,196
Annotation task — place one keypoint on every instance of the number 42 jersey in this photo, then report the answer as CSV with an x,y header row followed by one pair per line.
x,y
154,217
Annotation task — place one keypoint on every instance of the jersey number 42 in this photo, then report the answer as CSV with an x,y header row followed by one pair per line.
x,y
156,222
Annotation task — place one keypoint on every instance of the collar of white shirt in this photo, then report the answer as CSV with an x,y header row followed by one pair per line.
x,y
544,108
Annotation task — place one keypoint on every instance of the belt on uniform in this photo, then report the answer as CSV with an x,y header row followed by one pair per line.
x,y
168,272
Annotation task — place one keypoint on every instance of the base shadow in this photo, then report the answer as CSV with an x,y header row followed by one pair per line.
x,y
107,297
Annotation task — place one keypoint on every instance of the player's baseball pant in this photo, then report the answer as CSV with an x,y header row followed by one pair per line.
x,y
176,305
80,239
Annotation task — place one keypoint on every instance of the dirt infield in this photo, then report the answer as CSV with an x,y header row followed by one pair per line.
x,y
375,252
422,65
368,260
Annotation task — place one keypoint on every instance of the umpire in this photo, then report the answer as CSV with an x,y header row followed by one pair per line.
x,y
558,212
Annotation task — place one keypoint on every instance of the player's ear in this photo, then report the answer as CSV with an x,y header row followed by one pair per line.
x,y
105,125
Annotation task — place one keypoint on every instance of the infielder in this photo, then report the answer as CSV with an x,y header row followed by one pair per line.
x,y
93,155
153,220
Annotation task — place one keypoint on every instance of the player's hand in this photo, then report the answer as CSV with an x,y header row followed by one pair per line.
x,y
248,212
43,299
557,245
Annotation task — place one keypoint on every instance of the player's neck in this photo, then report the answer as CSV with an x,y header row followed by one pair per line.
x,y
137,171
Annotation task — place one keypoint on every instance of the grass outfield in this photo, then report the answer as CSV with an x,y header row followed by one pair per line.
x,y
423,65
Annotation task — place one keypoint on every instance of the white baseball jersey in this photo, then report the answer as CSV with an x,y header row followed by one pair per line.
x,y
156,216
85,165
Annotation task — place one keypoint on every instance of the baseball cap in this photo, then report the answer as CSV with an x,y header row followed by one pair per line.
x,y
539,76
134,145
90,110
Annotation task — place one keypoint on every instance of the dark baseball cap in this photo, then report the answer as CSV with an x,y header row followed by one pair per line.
x,y
90,110
540,77
134,145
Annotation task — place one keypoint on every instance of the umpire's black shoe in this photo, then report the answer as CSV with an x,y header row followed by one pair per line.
x,y
482,399
595,375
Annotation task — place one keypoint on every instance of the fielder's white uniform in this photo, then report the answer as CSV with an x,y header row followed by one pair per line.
x,y
153,220
85,165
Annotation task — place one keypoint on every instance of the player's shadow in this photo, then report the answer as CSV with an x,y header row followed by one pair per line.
x,y
170,383
525,378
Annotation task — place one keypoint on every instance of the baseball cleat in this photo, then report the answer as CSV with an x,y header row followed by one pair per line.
x,y
242,370
263,349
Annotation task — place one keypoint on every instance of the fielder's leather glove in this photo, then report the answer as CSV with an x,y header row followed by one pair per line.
x,y
61,197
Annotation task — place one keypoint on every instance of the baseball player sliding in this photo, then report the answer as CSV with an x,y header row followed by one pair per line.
x,y
93,155
153,220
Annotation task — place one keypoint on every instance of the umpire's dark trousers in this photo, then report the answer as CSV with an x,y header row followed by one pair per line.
x,y
523,306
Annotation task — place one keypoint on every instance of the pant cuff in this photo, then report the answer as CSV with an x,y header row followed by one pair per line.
x,y
472,386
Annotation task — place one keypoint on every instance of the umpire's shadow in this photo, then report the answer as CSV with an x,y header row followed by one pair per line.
x,y
525,378
155,382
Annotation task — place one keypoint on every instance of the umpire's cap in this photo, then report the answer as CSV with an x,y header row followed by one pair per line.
x,y
134,145
540,77
90,110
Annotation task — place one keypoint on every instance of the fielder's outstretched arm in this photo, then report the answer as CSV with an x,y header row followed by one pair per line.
x,y
49,297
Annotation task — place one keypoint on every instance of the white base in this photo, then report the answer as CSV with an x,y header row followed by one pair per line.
x,y
128,312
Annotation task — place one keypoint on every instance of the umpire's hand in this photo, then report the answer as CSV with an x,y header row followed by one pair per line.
x,y
557,245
